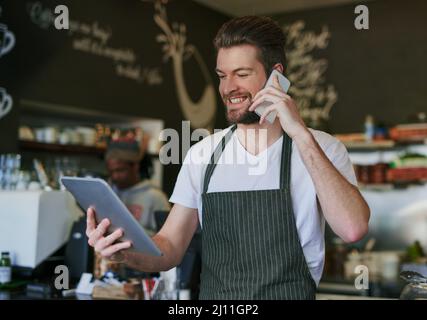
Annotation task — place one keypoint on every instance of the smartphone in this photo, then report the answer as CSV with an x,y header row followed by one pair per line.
x,y
284,83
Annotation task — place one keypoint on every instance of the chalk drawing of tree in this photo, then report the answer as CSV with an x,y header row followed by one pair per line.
x,y
173,38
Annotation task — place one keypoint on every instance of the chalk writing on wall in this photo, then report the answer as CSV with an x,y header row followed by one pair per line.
x,y
95,39
314,97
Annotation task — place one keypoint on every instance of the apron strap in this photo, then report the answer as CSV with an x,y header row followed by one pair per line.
x,y
285,163
215,157
285,166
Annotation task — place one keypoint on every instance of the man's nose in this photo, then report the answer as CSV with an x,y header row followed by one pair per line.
x,y
115,175
229,86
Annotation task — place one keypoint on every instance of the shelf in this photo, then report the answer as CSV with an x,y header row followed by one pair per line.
x,y
382,145
389,186
27,145
377,186
370,145
60,148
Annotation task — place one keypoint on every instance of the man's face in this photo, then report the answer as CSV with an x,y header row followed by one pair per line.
x,y
122,173
241,76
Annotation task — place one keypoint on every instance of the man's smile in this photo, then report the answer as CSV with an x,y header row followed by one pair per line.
x,y
237,101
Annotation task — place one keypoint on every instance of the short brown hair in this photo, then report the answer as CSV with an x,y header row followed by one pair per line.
x,y
261,32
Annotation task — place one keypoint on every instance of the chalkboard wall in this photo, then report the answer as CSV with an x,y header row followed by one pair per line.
x,y
110,60
380,71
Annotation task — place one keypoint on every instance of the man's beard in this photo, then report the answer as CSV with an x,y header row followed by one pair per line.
x,y
237,116
247,117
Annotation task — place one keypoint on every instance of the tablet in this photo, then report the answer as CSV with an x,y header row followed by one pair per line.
x,y
96,193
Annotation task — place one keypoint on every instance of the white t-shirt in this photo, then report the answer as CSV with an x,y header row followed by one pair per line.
x,y
238,170
144,199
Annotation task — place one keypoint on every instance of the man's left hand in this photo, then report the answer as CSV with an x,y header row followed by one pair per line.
x,y
287,111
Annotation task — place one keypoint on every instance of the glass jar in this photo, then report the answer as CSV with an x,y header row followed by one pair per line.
x,y
364,174
378,173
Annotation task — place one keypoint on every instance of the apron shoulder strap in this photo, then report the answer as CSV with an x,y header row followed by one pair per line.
x,y
215,157
285,165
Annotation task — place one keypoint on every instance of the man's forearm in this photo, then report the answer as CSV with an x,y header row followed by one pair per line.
x,y
342,204
147,263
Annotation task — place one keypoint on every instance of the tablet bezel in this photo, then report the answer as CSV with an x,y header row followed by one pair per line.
x,y
96,193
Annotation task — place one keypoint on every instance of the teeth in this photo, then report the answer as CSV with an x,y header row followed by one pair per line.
x,y
237,100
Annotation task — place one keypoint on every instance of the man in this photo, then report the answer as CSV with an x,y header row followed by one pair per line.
x,y
123,159
263,233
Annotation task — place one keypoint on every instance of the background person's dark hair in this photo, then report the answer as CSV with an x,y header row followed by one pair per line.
x,y
262,32
146,169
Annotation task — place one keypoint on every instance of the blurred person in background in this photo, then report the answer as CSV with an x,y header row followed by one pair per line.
x,y
130,170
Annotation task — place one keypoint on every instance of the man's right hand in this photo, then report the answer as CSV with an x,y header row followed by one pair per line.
x,y
104,244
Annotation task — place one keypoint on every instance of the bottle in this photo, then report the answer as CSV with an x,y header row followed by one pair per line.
x,y
369,128
339,257
5,268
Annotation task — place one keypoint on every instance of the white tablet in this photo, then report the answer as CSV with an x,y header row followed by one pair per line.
x,y
96,193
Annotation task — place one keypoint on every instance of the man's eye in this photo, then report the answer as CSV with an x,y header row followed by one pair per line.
x,y
244,75
221,77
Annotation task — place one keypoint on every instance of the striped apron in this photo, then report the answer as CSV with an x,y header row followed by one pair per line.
x,y
250,243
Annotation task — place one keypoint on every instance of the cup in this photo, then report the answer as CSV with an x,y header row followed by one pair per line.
x,y
6,102
7,40
34,186
40,133
23,180
184,294
88,135
75,137
64,137
50,134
